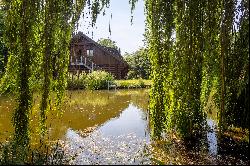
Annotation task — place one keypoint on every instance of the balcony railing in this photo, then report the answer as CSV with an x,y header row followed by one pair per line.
x,y
83,61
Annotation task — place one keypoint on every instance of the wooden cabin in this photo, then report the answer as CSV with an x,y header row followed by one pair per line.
x,y
87,55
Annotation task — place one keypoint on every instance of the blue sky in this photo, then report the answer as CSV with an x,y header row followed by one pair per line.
x,y
128,37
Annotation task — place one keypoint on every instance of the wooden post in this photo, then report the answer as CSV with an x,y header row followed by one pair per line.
x,y
74,52
85,60
92,67
78,72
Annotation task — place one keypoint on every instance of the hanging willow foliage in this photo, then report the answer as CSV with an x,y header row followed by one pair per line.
x,y
38,33
198,66
211,50
175,101
227,15
192,49
190,46
236,64
20,24
159,30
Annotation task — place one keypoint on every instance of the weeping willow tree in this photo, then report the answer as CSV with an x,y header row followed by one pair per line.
x,y
159,30
198,64
176,73
210,66
190,46
238,70
235,63
20,22
38,33
227,15
225,71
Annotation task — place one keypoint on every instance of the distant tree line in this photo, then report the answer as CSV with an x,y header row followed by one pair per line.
x,y
107,43
139,64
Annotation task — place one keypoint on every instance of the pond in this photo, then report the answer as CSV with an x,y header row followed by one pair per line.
x,y
112,127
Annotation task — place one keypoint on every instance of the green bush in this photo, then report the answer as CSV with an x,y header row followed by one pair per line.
x,y
76,82
92,81
98,80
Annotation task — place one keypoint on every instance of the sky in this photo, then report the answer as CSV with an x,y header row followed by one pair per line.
x,y
128,38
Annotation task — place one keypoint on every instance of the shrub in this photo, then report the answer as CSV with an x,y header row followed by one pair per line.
x,y
93,81
98,80
75,82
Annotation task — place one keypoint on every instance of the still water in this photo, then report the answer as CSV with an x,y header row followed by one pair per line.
x,y
109,127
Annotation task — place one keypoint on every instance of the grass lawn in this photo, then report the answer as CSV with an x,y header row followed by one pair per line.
x,y
136,83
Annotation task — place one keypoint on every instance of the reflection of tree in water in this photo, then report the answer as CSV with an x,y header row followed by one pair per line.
x,y
81,110
140,99
85,109
6,107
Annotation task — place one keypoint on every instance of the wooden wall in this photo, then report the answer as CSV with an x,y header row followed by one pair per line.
x,y
102,58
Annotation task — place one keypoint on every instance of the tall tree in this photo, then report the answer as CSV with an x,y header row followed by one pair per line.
x,y
159,23
188,66
237,66
198,64
20,22
107,43
227,13
36,32
139,65
3,50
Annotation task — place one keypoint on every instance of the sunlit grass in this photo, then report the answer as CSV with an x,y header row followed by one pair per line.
x,y
137,83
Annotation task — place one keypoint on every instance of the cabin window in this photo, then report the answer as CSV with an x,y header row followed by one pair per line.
x,y
90,52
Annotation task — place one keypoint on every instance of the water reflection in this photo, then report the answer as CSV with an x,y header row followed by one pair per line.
x,y
81,110
120,140
212,138
131,120
110,127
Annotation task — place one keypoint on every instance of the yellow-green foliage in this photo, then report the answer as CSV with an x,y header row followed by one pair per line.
x,y
92,81
98,80
138,83
76,82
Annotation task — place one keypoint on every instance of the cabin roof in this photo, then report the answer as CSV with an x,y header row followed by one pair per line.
x,y
110,51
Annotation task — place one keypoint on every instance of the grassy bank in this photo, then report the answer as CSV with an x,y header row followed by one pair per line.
x,y
93,81
127,84
98,80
